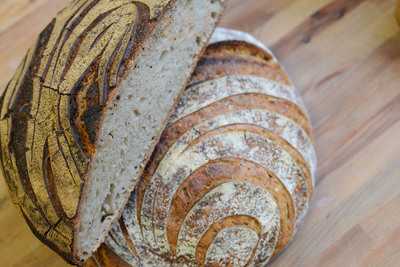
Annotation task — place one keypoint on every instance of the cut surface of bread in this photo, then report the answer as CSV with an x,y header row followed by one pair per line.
x,y
132,127
231,178
86,107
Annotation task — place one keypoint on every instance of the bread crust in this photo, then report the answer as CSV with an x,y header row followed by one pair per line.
x,y
233,173
105,257
237,57
52,110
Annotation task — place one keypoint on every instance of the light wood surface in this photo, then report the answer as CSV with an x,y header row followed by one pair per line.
x,y
344,56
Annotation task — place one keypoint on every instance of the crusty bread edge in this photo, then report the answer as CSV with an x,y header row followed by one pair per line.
x,y
202,43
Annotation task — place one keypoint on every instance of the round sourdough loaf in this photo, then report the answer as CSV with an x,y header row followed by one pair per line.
x,y
232,175
85,109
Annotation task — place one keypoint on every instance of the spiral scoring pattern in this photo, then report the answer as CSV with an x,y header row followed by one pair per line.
x,y
232,176
51,108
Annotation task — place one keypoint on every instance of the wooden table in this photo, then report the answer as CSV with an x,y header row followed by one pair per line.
x,y
344,56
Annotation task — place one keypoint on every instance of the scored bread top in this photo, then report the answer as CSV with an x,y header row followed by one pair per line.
x,y
232,175
237,57
52,110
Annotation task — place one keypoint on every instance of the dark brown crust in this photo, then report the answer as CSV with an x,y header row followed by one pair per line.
x,y
51,188
36,107
237,58
66,256
19,113
240,48
129,241
105,257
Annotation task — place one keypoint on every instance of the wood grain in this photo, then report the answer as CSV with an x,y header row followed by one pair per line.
x,y
345,58
398,12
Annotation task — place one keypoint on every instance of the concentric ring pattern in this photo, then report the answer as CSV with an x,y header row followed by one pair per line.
x,y
232,176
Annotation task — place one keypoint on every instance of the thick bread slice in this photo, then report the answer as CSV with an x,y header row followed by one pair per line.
x,y
232,175
162,69
85,109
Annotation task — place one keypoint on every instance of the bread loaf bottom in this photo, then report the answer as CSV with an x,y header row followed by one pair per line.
x,y
232,175
104,256
85,108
